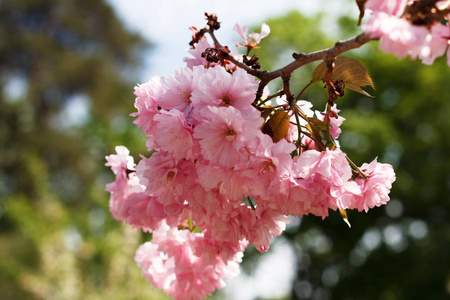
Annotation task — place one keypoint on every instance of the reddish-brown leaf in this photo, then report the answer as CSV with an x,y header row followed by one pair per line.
x,y
279,123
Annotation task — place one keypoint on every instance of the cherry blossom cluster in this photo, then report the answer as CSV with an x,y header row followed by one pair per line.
x,y
413,28
215,181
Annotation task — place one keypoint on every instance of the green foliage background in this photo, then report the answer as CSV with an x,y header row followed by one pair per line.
x,y
58,240
57,237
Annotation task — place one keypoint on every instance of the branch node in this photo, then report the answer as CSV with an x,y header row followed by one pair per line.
x,y
297,56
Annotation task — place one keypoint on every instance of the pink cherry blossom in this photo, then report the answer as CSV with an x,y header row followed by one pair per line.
x,y
198,60
397,36
221,89
269,223
435,44
225,134
253,39
196,52
225,181
143,211
375,189
215,252
329,165
391,7
179,89
121,161
335,120
156,266
125,183
129,202
167,179
299,200
174,262
326,177
147,102
173,134
269,171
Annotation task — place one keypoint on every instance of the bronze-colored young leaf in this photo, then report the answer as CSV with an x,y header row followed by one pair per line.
x,y
345,217
315,127
315,132
320,125
319,72
350,70
266,111
279,123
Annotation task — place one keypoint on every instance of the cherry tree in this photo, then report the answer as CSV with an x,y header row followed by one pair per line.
x,y
228,160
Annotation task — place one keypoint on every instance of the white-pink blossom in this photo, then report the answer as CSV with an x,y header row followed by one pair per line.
x,y
391,7
436,43
253,39
196,52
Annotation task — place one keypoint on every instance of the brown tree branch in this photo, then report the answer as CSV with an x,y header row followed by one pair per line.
x,y
301,59
230,58
306,58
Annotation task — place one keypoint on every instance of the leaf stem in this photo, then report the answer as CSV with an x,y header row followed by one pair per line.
x,y
280,93
299,127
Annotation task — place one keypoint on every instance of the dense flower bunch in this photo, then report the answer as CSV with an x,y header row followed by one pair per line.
x,y
225,169
413,28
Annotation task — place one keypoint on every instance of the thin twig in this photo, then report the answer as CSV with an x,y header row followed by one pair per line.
x,y
230,58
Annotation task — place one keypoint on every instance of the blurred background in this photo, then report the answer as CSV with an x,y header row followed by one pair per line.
x,y
67,72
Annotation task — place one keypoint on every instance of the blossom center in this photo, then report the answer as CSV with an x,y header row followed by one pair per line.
x,y
187,96
268,166
170,176
229,134
226,101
